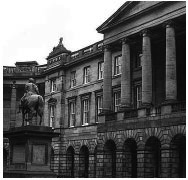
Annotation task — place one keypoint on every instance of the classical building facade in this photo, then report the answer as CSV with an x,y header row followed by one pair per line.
x,y
119,104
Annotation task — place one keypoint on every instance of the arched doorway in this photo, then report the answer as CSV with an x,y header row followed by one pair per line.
x,y
70,162
83,162
178,156
5,157
152,158
130,158
109,161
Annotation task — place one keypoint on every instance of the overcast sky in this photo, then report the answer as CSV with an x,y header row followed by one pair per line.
x,y
31,28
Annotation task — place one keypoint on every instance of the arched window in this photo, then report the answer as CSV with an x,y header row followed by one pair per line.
x,y
178,156
83,161
109,161
130,159
70,162
152,158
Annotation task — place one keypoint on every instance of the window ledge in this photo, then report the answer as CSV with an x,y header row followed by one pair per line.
x,y
116,76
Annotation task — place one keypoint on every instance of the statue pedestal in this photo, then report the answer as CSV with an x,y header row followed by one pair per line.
x,y
30,150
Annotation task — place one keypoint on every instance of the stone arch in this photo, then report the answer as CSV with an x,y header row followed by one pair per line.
x,y
70,153
72,144
84,161
129,158
153,132
85,143
111,136
152,157
178,156
174,130
109,158
130,134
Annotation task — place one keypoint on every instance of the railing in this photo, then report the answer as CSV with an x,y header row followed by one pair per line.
x,y
179,107
8,69
86,51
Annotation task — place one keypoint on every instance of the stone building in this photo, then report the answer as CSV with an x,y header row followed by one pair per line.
x,y
119,104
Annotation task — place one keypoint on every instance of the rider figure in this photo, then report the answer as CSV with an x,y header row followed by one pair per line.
x,y
30,88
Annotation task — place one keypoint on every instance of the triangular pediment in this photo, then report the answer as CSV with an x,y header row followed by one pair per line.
x,y
127,11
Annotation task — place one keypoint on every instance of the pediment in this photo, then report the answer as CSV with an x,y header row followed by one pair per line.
x,y
127,11
52,101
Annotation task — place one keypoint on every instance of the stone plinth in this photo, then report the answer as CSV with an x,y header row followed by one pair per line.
x,y
30,150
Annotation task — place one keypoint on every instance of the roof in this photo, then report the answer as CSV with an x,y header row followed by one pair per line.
x,y
59,49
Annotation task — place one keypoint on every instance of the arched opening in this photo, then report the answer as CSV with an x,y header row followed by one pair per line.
x,y
130,158
83,162
5,157
70,162
109,161
178,156
152,158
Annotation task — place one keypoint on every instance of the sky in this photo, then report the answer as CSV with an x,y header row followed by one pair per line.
x,y
31,28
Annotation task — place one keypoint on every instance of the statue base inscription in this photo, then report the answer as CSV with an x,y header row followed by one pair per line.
x,y
30,150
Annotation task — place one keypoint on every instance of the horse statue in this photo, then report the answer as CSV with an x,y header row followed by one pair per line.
x,y
31,104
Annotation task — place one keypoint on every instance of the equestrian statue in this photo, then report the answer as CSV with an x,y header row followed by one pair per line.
x,y
32,103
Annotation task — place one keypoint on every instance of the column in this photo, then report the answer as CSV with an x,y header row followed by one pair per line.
x,y
146,69
13,106
171,83
125,75
107,82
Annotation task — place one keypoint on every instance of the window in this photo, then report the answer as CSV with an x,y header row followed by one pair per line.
x,y
138,56
53,85
73,78
52,116
72,113
85,109
99,105
117,100
117,65
100,70
138,96
86,75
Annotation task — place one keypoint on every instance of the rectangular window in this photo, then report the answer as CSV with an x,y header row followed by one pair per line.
x,y
117,100
53,85
52,116
72,113
73,78
117,65
138,96
85,111
99,105
86,75
100,70
138,56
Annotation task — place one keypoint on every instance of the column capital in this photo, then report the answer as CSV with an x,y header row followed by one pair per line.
x,y
168,24
145,32
107,47
14,85
125,40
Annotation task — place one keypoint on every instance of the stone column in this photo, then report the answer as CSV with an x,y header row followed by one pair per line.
x,y
107,82
13,106
146,69
171,82
125,75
